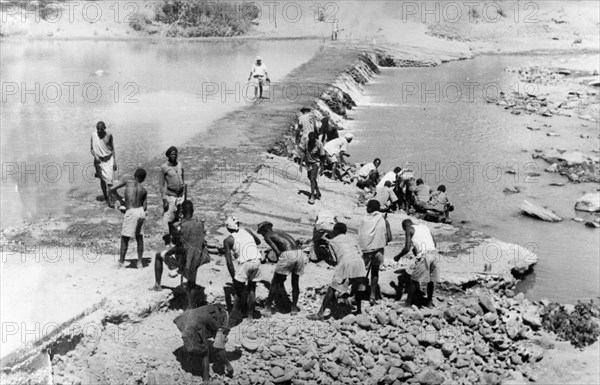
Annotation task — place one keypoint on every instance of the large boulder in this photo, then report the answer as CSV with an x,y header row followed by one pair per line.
x,y
539,212
589,202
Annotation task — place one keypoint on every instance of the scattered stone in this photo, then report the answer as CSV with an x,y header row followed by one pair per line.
x,y
486,303
532,319
349,319
552,134
363,321
435,357
490,318
589,202
278,349
539,212
578,220
276,372
450,315
594,225
552,168
513,190
430,376
382,318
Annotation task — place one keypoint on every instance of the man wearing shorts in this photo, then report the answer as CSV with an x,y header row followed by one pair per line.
x,y
135,214
188,254
424,270
260,74
290,260
349,272
171,184
242,245
372,236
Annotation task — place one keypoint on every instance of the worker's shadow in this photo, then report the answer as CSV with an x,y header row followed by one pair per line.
x,y
192,362
180,298
304,192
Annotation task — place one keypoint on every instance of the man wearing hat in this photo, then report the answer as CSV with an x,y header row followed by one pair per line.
x,y
290,260
259,72
171,184
306,124
336,150
242,245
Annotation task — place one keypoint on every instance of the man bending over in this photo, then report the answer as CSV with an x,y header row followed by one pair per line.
x,y
290,260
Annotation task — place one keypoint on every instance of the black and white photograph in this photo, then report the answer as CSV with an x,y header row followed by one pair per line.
x,y
354,192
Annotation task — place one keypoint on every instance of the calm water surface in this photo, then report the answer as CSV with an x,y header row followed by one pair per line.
x,y
450,135
150,95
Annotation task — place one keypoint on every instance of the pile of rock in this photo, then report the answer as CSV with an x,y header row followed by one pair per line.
x,y
477,338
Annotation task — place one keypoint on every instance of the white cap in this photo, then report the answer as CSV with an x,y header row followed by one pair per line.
x,y
232,223
348,136
258,58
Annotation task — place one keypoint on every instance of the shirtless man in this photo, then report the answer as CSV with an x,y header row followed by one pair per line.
x,y
420,241
242,245
102,148
198,327
171,184
135,214
290,260
187,255
260,73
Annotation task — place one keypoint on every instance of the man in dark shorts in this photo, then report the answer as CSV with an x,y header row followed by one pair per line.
x,y
135,214
349,272
188,254
313,155
290,260
204,330
372,236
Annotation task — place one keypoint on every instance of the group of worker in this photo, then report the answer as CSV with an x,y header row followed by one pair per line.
x,y
357,260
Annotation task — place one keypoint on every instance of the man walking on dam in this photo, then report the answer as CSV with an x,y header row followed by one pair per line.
x,y
260,74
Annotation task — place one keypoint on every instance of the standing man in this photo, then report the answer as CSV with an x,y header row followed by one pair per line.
x,y
259,72
242,245
171,184
372,237
368,175
198,327
188,254
135,214
420,241
336,150
349,272
290,260
313,155
335,31
306,124
103,150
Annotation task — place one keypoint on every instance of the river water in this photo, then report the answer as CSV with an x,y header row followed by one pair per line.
x,y
436,121
150,95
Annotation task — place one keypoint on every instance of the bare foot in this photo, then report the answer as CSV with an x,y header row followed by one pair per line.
x,y
121,265
140,265
156,287
295,310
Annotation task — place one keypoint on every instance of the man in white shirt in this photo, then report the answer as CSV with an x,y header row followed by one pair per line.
x,y
420,241
259,72
336,150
